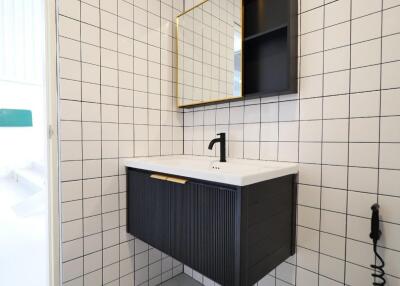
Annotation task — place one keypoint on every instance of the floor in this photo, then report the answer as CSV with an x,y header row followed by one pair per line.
x,y
23,238
181,280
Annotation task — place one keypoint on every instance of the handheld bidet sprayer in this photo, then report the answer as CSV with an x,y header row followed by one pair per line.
x,y
375,235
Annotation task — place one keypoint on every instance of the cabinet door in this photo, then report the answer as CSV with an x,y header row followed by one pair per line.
x,y
149,209
204,229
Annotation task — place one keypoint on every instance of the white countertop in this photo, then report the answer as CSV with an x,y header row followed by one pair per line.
x,y
238,172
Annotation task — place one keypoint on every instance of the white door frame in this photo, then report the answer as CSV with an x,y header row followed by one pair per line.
x,y
52,154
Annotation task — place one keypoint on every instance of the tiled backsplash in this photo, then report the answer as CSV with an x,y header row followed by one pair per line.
x,y
343,128
116,61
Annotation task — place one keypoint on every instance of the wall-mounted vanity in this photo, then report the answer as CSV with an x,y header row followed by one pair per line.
x,y
233,222
235,49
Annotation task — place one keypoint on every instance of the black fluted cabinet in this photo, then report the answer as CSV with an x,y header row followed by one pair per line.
x,y
233,235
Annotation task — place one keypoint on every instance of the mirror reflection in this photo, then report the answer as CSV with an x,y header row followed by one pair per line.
x,y
209,53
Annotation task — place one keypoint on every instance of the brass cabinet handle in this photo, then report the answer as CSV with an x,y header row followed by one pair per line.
x,y
168,178
158,177
177,180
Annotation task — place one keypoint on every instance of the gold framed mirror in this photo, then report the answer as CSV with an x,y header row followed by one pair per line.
x,y
209,53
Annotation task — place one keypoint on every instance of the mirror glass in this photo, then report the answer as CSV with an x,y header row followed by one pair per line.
x,y
209,53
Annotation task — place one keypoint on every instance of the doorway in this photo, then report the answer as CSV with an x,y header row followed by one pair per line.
x,y
28,229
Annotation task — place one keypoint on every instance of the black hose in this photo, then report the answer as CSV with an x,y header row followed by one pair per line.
x,y
379,273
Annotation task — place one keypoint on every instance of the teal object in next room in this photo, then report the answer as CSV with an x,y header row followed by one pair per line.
x,y
15,118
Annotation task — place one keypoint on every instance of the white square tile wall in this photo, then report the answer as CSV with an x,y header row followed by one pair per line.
x,y
116,63
117,74
342,128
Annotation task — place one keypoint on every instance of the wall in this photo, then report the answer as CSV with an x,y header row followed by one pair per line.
x,y
342,128
116,101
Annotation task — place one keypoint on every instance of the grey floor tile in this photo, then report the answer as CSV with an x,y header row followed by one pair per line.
x,y
181,280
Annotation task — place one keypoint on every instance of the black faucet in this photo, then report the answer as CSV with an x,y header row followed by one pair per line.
x,y
222,142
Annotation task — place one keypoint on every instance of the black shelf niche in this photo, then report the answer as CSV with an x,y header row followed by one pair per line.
x,y
269,47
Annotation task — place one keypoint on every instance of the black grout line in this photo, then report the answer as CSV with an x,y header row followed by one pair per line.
x,y
114,51
348,150
322,136
224,107
132,272
347,214
82,149
362,266
235,141
347,21
101,155
105,11
147,84
298,137
160,133
347,45
118,152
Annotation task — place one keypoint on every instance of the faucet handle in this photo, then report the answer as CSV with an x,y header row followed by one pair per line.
x,y
221,134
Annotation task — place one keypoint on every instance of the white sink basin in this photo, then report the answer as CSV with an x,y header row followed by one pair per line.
x,y
236,172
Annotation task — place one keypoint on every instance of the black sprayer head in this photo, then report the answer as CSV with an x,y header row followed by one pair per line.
x,y
379,272
375,232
